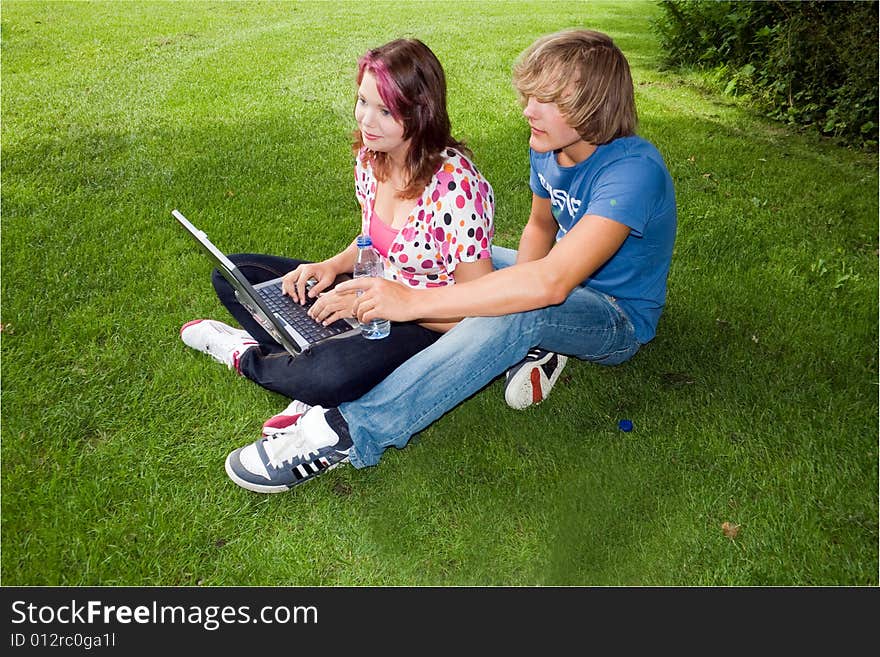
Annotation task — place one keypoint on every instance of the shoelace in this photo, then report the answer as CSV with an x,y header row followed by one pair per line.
x,y
296,407
285,445
293,409
272,432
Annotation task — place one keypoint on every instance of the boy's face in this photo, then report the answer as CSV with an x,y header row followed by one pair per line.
x,y
550,130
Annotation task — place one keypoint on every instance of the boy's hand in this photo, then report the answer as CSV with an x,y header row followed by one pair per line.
x,y
295,283
380,299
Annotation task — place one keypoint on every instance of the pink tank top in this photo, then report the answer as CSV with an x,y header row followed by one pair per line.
x,y
382,235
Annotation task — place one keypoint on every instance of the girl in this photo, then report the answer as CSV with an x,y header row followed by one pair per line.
x,y
429,213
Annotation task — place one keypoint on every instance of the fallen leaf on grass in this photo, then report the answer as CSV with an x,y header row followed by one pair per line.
x,y
730,530
676,379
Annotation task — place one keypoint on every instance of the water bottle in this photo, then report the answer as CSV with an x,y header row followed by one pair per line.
x,y
369,263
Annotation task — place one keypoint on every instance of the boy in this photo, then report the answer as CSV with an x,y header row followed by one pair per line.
x,y
589,279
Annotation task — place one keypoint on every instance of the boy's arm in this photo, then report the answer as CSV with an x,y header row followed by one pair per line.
x,y
525,286
465,272
539,234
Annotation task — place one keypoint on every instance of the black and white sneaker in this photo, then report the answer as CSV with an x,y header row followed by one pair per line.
x,y
287,458
531,380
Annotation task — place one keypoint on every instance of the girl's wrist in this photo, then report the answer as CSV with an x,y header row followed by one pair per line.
x,y
337,265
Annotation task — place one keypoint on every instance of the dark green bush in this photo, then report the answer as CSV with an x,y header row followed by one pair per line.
x,y
805,63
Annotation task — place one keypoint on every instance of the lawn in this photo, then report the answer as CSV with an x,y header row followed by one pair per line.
x,y
756,405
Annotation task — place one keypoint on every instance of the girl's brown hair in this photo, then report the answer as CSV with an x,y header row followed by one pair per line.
x,y
412,85
587,76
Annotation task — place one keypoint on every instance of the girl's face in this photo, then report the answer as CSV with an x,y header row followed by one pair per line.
x,y
550,130
380,131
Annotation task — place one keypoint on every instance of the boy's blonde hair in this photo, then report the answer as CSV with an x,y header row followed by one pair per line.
x,y
588,78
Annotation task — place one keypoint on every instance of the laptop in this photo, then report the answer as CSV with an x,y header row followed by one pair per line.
x,y
284,319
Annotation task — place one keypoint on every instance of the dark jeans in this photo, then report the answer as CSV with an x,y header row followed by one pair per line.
x,y
326,374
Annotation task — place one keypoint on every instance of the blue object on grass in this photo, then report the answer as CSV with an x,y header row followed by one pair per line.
x,y
625,425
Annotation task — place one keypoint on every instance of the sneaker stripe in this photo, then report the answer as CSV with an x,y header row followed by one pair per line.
x,y
535,377
550,366
237,354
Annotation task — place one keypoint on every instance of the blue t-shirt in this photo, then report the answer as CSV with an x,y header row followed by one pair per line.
x,y
626,181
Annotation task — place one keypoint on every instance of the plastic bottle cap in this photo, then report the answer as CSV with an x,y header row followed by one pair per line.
x,y
625,425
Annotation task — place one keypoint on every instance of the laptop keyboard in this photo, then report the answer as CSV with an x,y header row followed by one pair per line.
x,y
297,316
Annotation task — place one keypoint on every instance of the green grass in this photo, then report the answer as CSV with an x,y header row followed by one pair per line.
x,y
755,405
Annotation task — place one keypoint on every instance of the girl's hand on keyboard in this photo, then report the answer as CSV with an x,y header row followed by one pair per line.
x,y
332,306
295,284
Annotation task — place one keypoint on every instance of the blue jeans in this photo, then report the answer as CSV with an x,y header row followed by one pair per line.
x,y
588,325
328,373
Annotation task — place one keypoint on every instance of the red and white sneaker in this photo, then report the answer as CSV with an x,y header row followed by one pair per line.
x,y
285,419
531,380
222,342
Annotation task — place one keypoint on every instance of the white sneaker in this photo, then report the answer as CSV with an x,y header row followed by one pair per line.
x,y
220,341
531,380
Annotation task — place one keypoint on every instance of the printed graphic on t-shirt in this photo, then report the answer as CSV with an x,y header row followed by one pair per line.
x,y
560,199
